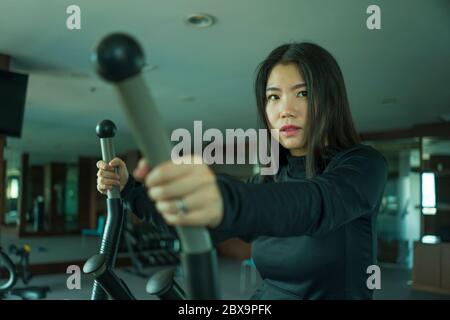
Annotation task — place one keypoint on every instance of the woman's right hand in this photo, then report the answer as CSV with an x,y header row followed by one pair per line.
x,y
107,178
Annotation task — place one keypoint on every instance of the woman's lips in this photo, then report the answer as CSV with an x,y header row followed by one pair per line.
x,y
289,131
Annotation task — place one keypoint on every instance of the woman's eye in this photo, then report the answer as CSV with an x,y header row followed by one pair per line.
x,y
302,94
272,97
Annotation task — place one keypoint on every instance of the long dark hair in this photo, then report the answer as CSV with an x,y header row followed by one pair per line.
x,y
329,117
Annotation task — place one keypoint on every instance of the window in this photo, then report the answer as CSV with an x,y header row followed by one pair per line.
x,y
13,189
428,193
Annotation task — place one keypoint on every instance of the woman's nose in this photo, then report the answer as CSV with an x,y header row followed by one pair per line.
x,y
287,109
286,114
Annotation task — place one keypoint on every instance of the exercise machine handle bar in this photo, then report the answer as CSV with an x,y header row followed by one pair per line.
x,y
101,265
120,60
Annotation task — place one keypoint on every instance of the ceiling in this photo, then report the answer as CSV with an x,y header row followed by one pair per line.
x,y
396,76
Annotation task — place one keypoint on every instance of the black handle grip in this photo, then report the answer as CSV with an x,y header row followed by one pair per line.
x,y
118,57
106,129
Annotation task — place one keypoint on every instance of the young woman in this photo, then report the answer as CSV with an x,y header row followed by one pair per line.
x,y
312,224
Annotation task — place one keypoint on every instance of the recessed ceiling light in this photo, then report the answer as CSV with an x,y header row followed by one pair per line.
x,y
200,20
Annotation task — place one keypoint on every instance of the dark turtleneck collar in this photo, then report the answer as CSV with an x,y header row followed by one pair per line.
x,y
296,165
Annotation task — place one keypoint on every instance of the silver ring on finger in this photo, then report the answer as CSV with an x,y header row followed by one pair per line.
x,y
181,207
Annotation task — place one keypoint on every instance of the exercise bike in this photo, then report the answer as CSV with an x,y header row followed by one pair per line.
x,y
119,59
8,287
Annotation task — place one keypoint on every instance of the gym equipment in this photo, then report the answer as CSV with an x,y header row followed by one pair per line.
x,y
120,60
148,247
101,265
95,232
23,270
26,293
38,214
6,265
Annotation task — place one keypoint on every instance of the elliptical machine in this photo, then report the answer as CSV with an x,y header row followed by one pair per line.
x,y
119,59
106,282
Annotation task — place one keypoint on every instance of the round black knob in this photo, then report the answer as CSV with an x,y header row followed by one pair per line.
x,y
118,56
106,129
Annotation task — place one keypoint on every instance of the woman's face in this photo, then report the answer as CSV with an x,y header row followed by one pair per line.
x,y
287,106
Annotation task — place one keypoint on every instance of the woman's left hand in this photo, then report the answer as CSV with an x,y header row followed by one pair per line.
x,y
186,194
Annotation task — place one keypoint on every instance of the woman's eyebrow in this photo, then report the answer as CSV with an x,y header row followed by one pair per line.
x,y
299,85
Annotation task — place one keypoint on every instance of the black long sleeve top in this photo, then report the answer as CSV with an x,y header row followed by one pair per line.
x,y
311,238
